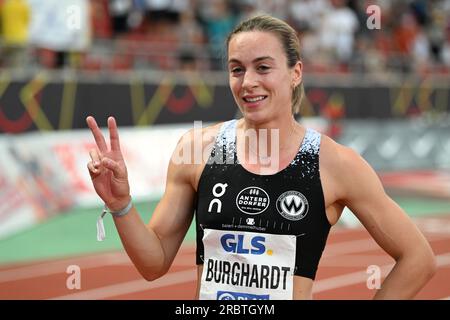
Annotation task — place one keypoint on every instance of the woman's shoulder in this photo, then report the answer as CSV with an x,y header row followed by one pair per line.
x,y
336,156
196,144
205,134
342,168
193,150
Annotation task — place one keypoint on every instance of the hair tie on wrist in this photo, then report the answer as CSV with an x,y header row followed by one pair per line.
x,y
122,212
101,234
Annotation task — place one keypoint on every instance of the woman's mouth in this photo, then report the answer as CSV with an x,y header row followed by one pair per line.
x,y
252,101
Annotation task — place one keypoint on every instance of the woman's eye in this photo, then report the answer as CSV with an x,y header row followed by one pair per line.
x,y
263,68
236,70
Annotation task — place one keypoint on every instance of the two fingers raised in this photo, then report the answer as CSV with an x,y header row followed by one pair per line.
x,y
97,159
98,136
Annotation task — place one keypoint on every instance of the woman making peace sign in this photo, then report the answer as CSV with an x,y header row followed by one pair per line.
x,y
263,210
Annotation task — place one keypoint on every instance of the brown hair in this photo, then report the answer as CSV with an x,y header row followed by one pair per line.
x,y
288,38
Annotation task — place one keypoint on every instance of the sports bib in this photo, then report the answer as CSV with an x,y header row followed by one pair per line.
x,y
241,265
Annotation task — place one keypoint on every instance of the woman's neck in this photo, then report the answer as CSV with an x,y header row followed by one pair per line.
x,y
282,129
268,141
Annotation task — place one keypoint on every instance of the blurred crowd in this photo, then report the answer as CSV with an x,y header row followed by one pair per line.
x,y
336,35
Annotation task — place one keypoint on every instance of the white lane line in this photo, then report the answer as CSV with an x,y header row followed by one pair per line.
x,y
134,286
60,266
337,229
351,246
443,260
191,275
361,245
180,277
359,260
348,279
48,268
70,259
434,225
120,258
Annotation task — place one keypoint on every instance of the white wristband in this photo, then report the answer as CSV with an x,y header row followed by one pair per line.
x,y
122,212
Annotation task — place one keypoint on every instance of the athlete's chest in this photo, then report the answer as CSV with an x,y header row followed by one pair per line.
x,y
234,199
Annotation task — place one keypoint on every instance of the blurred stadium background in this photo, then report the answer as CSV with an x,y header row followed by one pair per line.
x,y
157,66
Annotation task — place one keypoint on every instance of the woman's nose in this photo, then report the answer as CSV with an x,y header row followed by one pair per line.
x,y
250,80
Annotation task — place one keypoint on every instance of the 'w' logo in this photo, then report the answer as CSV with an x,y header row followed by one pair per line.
x,y
292,204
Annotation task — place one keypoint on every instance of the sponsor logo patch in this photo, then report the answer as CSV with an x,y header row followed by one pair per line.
x,y
238,243
252,200
228,295
292,205
218,190
250,221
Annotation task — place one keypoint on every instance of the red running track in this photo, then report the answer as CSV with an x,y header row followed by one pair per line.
x,y
342,272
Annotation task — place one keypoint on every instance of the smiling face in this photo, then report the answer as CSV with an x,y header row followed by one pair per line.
x,y
260,79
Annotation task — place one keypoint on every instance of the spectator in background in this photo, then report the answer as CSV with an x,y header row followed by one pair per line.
x,y
245,9
101,22
337,32
445,52
119,11
404,36
190,37
308,14
218,21
15,19
60,31
306,17
420,52
168,10
412,36
278,9
367,59
435,31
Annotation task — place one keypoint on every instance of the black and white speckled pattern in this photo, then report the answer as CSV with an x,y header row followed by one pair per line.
x,y
307,158
224,151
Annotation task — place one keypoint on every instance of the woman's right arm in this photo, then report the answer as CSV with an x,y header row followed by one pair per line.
x,y
151,247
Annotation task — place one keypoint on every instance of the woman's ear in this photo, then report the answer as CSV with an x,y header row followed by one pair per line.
x,y
297,74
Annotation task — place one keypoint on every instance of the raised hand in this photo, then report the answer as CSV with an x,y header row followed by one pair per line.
x,y
107,168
